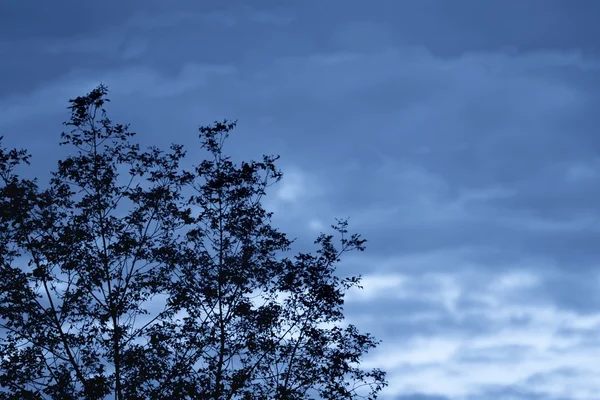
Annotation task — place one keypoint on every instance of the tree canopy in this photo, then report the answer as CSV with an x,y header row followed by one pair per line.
x,y
129,277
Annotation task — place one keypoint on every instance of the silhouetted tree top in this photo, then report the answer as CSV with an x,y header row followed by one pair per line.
x,y
130,277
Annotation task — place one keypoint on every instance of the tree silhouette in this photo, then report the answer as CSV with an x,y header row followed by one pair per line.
x,y
118,227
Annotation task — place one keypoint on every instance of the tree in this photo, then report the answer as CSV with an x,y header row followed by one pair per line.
x,y
117,227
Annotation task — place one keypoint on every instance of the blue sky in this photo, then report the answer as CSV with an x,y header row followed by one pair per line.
x,y
460,137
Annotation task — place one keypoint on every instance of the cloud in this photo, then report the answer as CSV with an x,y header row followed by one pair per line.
x,y
150,21
113,44
132,38
278,16
293,188
583,171
437,288
225,17
316,225
293,196
420,396
138,81
449,147
525,338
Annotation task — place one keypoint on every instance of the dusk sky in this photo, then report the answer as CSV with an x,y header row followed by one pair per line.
x,y
460,137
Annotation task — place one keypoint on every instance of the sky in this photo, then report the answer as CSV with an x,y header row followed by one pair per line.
x,y
459,137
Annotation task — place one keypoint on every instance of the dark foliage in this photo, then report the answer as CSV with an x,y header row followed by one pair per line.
x,y
119,226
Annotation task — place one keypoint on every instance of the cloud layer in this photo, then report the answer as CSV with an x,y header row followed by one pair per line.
x,y
460,138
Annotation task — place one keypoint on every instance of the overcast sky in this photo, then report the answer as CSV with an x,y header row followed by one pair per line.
x,y
460,137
